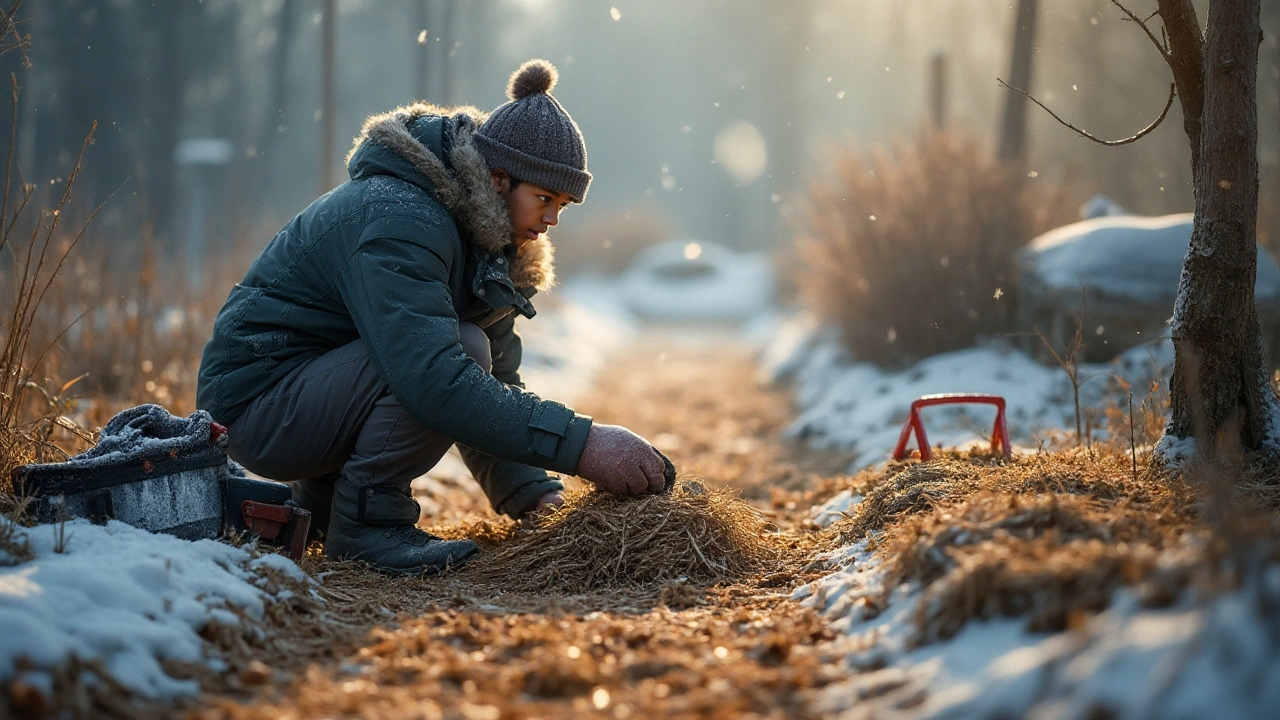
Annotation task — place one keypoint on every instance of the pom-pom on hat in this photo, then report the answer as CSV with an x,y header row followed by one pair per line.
x,y
533,138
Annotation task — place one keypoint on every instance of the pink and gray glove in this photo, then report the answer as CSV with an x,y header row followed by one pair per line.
x,y
621,462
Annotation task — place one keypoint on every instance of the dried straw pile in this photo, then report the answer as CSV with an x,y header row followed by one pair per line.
x,y
601,542
1048,538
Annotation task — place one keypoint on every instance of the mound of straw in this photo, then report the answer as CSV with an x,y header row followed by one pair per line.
x,y
1046,538
598,541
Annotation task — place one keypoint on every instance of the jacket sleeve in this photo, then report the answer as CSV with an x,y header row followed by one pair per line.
x,y
512,488
395,286
507,350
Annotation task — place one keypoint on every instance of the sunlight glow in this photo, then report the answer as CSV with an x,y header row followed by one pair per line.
x,y
741,149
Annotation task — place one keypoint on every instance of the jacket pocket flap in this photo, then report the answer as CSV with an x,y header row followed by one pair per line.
x,y
552,418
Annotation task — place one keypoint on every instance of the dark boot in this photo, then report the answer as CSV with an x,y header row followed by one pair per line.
x,y
316,495
378,525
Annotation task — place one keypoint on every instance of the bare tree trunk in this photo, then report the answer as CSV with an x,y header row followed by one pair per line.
x,y
273,118
328,107
1013,129
1220,390
1186,59
938,89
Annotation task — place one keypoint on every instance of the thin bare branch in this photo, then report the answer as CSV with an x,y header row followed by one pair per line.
x,y
1162,47
1173,91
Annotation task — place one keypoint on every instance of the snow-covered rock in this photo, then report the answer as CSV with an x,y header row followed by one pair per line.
x,y
692,280
1128,267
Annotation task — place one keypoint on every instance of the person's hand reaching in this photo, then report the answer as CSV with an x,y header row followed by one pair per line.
x,y
621,462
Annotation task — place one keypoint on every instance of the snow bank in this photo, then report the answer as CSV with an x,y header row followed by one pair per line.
x,y
1220,658
128,597
1127,258
859,407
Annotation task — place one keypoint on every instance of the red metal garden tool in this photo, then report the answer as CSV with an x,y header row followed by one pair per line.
x,y
999,433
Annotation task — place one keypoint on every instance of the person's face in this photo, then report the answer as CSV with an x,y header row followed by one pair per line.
x,y
534,210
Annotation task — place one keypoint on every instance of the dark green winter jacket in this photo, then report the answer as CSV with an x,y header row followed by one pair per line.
x,y
417,240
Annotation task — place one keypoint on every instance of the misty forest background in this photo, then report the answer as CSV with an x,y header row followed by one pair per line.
x,y
715,120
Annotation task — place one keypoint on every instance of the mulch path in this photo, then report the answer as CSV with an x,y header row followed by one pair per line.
x,y
436,648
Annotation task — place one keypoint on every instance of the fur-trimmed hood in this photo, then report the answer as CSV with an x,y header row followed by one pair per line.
x,y
462,183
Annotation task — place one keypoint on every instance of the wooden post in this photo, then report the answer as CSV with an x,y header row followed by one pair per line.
x,y
1013,129
938,89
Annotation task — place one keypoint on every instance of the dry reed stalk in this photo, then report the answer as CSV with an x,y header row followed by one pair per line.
x,y
599,542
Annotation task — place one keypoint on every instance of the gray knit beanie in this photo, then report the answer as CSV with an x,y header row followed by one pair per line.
x,y
533,138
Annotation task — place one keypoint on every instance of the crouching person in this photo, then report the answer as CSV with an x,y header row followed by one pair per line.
x,y
377,329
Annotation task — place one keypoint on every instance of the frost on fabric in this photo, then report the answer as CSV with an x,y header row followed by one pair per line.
x,y
128,597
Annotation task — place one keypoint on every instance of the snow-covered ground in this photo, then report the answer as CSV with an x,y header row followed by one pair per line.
x,y
129,598
1213,658
860,408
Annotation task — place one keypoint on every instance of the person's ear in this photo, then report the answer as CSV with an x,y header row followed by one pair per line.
x,y
500,180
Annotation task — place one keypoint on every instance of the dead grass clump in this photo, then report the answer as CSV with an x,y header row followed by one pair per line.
x,y
1047,537
1049,558
912,251
910,489
598,541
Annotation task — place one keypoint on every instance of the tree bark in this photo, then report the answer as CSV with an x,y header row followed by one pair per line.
x,y
1186,60
1013,129
1220,391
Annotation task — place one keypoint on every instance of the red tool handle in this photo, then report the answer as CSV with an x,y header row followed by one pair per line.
x,y
999,433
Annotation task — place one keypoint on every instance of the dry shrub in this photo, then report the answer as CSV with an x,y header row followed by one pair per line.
x,y
598,541
912,251
1046,537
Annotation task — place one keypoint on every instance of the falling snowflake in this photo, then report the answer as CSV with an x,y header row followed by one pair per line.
x,y
615,13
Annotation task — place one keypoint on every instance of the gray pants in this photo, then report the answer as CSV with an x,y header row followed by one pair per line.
x,y
336,415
